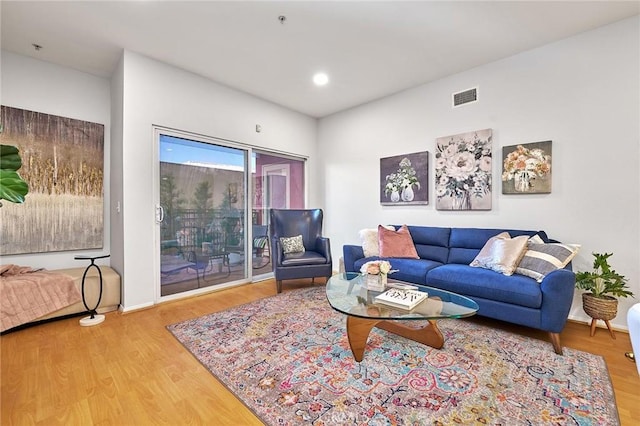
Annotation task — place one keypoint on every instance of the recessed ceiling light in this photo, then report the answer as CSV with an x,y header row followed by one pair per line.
x,y
320,79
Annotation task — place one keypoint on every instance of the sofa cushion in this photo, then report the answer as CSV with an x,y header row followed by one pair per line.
x,y
501,254
469,281
412,270
541,259
431,243
466,243
396,243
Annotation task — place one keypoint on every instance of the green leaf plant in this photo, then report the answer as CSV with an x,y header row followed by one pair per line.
x,y
603,280
12,187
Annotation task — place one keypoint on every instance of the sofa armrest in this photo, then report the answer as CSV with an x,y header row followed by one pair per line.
x,y
351,253
557,296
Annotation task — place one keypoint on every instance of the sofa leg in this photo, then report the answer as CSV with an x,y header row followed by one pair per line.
x,y
555,340
279,286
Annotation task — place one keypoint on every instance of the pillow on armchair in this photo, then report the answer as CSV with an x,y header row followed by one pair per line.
x,y
396,243
292,244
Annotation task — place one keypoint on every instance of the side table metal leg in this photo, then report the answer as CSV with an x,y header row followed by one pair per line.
x,y
94,318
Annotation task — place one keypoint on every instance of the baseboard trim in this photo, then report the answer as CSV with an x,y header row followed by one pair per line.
x,y
600,324
142,306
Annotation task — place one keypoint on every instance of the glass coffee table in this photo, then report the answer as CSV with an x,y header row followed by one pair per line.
x,y
347,293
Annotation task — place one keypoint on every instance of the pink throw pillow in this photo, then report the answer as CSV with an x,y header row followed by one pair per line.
x,y
396,243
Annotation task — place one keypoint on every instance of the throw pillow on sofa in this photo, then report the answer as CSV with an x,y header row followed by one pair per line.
x,y
369,239
501,253
396,243
485,252
541,259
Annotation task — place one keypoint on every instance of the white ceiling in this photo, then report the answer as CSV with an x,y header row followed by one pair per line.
x,y
369,49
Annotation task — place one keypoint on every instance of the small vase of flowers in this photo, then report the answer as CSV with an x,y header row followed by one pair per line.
x,y
375,272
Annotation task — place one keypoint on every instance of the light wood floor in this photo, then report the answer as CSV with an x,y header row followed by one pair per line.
x,y
131,371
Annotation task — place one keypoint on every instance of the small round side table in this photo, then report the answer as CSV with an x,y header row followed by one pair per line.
x,y
94,318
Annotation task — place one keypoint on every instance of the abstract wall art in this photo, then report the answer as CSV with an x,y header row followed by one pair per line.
x,y
62,162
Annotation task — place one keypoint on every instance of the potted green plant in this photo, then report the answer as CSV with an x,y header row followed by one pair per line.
x,y
603,284
12,187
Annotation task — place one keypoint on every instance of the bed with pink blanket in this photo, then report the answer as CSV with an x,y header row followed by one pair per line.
x,y
28,294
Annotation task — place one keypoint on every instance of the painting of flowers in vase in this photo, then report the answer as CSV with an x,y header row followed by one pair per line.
x,y
403,179
463,165
526,168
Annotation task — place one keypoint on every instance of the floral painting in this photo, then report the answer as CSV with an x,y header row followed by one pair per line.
x,y
403,179
463,171
526,168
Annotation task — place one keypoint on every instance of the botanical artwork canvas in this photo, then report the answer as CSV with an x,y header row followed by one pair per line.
x,y
526,168
404,179
62,162
463,171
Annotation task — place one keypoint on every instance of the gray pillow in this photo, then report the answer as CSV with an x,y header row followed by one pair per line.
x,y
541,259
292,244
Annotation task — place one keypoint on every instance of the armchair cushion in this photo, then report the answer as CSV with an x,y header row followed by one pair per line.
x,y
303,258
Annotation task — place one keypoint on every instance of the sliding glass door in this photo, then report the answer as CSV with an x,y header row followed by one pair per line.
x,y
277,181
201,214
213,198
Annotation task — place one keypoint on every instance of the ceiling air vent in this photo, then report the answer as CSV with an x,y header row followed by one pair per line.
x,y
465,97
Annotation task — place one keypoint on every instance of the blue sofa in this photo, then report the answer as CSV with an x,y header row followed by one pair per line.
x,y
445,255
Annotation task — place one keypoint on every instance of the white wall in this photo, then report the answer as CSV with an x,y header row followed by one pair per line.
x,y
158,94
583,93
115,217
36,85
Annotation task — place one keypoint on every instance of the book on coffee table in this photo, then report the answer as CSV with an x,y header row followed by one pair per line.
x,y
399,298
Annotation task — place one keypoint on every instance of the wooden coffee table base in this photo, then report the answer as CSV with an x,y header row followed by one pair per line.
x,y
358,330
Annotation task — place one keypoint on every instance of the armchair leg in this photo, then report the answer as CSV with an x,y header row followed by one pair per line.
x,y
279,286
555,340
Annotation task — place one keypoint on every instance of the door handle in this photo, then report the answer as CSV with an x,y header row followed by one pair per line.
x,y
159,213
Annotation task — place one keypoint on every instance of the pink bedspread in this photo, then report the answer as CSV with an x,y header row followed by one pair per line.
x,y
27,294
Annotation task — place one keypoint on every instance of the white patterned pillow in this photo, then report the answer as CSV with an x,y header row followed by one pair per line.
x,y
541,259
292,244
369,238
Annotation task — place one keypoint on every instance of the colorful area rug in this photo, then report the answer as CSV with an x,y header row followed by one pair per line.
x,y
288,359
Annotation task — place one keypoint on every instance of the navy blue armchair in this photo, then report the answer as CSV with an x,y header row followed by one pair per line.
x,y
314,261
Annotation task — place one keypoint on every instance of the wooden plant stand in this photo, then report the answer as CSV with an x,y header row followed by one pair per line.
x,y
593,327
